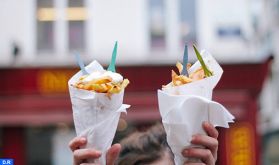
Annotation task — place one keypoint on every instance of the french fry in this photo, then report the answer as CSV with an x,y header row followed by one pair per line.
x,y
179,67
109,86
197,75
173,76
80,86
125,83
189,66
87,87
177,83
102,85
100,88
82,77
101,81
183,79
115,89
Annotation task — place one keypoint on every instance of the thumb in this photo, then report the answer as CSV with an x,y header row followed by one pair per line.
x,y
113,154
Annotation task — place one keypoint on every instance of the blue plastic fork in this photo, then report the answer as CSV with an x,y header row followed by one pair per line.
x,y
80,63
185,62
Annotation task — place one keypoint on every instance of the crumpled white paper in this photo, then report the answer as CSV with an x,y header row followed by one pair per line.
x,y
184,108
95,115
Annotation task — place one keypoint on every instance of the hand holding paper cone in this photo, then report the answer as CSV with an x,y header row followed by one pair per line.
x,y
185,105
97,102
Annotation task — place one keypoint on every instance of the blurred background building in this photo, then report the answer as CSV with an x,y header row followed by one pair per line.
x,y
38,39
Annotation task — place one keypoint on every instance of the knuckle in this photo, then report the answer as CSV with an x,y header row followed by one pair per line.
x,y
88,152
76,154
73,142
216,143
185,152
191,152
207,153
198,138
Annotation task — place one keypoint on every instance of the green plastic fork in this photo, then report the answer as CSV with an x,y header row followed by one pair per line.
x,y
113,59
207,72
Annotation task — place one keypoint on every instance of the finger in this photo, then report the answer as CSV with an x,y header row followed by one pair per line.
x,y
113,154
82,154
208,142
205,140
210,129
204,154
189,163
77,142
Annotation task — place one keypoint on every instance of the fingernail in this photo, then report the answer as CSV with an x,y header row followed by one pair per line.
x,y
98,153
206,123
83,139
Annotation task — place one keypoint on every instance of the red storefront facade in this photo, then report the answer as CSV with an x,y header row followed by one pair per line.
x,y
39,97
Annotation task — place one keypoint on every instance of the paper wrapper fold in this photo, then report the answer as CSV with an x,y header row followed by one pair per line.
x,y
96,115
184,108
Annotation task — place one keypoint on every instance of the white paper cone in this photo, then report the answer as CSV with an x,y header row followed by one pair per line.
x,y
184,108
95,115
202,87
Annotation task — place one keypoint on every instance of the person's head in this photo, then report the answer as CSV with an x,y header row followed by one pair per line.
x,y
149,147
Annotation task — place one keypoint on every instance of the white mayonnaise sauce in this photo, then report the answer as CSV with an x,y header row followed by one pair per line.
x,y
116,77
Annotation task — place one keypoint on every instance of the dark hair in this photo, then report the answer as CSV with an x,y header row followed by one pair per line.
x,y
144,147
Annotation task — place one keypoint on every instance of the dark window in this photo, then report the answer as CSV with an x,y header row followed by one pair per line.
x,y
187,21
38,145
76,16
229,32
45,23
157,24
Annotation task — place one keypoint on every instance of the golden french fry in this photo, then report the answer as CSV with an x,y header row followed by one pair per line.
x,y
102,85
177,82
102,80
115,89
197,75
87,87
82,77
173,76
125,83
109,86
179,67
101,88
189,66
180,79
184,79
80,86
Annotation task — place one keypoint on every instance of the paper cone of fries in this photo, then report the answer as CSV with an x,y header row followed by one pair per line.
x,y
183,108
96,115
